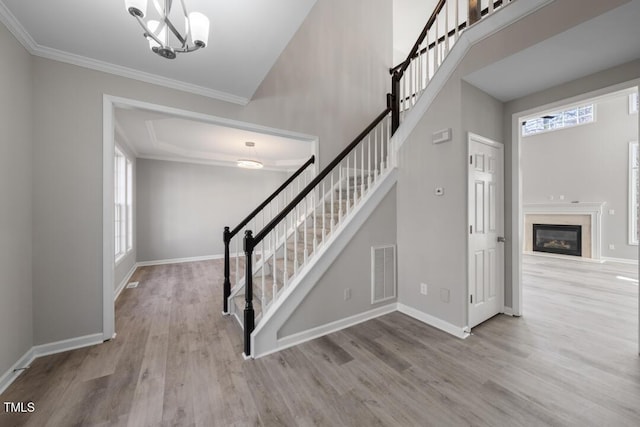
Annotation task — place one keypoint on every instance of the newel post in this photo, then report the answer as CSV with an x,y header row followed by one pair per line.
x,y
249,315
226,236
475,11
393,101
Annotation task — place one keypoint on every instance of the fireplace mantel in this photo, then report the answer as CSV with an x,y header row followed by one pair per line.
x,y
592,209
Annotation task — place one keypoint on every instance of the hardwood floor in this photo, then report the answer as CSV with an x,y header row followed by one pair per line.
x,y
572,359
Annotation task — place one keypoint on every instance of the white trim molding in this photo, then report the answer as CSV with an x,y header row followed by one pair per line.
x,y
14,371
124,282
461,332
178,260
45,350
329,328
593,209
21,34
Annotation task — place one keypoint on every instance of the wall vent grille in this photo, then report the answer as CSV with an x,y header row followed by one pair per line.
x,y
383,273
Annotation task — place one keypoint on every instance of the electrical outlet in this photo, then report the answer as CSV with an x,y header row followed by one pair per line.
x,y
424,289
612,212
561,197
612,246
444,295
347,294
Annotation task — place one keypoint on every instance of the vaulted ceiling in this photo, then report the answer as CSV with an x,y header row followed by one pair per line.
x,y
245,40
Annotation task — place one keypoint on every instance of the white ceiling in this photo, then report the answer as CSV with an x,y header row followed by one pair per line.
x,y
608,40
246,38
156,135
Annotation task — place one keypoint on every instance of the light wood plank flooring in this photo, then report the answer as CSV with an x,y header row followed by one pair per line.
x,y
570,360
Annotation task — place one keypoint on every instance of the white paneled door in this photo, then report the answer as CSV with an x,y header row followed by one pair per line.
x,y
486,229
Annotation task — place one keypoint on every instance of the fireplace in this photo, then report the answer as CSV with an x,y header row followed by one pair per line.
x,y
558,239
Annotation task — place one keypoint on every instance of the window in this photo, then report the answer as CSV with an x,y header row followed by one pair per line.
x,y
633,103
634,187
123,204
558,120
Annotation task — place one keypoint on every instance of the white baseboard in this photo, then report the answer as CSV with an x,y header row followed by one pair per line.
x,y
329,328
9,377
620,260
46,350
124,282
456,331
178,260
69,344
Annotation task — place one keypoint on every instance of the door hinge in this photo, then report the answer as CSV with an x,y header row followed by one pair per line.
x,y
471,229
471,298
470,160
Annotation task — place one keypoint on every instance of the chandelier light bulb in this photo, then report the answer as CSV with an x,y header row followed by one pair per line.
x,y
199,25
136,7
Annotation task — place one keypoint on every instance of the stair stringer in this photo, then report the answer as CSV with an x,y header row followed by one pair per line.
x,y
264,339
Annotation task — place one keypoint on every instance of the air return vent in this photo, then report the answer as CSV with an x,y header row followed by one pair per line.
x,y
383,273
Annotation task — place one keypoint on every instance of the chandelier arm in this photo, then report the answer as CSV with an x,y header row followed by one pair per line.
x,y
174,30
147,31
187,21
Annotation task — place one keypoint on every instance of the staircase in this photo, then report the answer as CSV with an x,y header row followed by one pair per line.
x,y
270,278
299,223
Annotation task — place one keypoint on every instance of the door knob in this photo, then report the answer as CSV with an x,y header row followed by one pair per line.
x,y
501,239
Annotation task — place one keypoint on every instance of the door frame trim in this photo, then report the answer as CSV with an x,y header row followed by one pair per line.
x,y
471,137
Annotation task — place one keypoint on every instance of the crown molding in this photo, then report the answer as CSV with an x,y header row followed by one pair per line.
x,y
21,34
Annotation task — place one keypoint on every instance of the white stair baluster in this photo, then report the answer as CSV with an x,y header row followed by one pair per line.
x,y
369,160
324,215
274,276
362,178
331,191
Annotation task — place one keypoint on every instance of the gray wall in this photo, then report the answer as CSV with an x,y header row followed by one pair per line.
x,y
352,269
432,236
626,75
329,81
124,266
182,208
16,314
587,163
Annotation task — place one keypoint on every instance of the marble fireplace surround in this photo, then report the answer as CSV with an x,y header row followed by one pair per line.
x,y
586,214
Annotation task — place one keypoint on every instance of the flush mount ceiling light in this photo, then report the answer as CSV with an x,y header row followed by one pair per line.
x,y
250,163
196,27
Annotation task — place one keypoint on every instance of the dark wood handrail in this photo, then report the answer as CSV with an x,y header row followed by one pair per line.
x,y
421,37
401,67
277,219
268,200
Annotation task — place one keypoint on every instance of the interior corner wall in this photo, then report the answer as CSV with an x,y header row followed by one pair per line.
x,y
432,237
619,77
330,81
16,149
431,229
182,208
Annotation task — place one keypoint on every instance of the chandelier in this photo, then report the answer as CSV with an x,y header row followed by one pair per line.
x,y
158,32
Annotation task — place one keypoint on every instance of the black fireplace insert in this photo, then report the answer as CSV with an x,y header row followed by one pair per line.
x,y
558,239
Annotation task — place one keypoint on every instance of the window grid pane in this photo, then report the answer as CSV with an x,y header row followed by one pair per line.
x,y
559,120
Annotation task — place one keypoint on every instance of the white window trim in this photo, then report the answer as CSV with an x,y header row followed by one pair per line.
x,y
633,193
126,230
